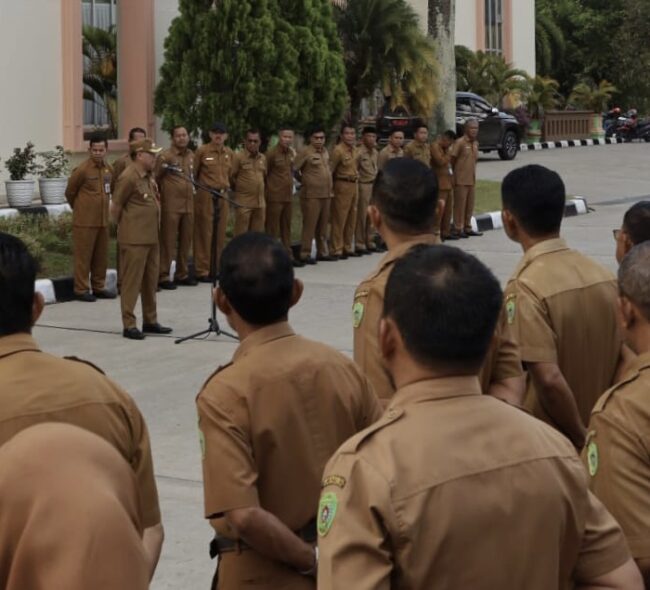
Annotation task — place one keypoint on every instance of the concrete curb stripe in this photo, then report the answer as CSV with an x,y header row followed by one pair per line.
x,y
46,288
7,213
566,143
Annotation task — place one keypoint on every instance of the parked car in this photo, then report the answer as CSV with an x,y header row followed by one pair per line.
x,y
497,130
395,119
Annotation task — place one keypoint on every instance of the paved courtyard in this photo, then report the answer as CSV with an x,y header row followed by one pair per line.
x,y
164,378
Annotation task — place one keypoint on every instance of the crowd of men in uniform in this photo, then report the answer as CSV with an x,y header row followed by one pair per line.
x,y
479,438
163,204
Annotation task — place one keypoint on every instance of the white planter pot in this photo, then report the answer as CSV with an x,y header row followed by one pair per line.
x,y
52,190
19,192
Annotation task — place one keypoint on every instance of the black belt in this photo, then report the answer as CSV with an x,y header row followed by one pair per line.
x,y
220,545
348,179
366,182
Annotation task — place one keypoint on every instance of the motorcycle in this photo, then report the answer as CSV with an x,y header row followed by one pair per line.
x,y
610,121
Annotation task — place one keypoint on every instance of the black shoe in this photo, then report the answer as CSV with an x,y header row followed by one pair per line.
x,y
355,254
462,235
372,251
475,234
104,294
206,279
310,261
167,285
450,237
133,334
343,256
187,282
328,258
298,263
382,248
155,329
87,297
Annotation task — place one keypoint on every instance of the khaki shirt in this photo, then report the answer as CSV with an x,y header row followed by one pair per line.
x,y
419,151
137,201
247,175
89,193
279,180
617,454
36,387
368,164
119,166
270,421
315,174
344,162
454,489
561,307
176,191
464,157
212,166
387,154
441,162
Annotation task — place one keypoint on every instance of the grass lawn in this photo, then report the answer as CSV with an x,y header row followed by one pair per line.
x,y
488,196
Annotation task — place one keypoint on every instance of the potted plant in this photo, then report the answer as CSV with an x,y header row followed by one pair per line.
x,y
53,176
20,190
593,98
542,96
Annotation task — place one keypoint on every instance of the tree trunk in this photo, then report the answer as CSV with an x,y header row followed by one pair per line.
x,y
441,28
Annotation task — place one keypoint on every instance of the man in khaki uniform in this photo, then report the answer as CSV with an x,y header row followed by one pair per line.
x,y
451,488
419,148
279,191
403,208
394,149
368,168
173,168
89,193
247,176
123,162
616,453
136,210
464,157
269,421
345,173
441,163
560,306
212,163
635,229
37,387
313,172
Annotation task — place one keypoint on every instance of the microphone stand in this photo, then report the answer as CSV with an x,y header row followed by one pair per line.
x,y
213,324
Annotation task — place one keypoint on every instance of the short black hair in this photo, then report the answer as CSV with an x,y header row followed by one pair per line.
x,y
256,275
421,126
450,134
636,222
317,129
284,127
253,131
97,138
406,194
348,126
445,304
394,131
135,130
536,196
18,270
369,130
175,128
634,277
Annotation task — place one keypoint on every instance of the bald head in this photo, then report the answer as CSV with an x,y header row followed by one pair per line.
x,y
634,278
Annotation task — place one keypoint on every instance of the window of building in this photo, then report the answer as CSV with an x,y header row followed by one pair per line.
x,y
494,26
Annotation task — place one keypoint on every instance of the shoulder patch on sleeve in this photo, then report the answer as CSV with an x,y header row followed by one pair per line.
x,y
221,368
84,362
511,308
334,480
353,444
603,399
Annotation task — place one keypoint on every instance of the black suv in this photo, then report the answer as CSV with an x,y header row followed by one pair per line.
x,y
497,130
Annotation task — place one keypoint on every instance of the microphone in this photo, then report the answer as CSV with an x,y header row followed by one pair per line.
x,y
171,168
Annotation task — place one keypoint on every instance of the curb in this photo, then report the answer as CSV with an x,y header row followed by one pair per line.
x,y
51,210
61,289
567,143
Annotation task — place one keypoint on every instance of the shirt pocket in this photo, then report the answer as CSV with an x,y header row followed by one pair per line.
x,y
91,184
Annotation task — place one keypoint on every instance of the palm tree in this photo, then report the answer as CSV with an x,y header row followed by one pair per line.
x,y
550,44
588,96
542,96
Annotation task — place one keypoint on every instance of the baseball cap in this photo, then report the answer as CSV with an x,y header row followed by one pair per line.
x,y
219,128
144,145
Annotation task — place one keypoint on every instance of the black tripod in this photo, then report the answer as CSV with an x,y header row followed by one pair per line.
x,y
213,324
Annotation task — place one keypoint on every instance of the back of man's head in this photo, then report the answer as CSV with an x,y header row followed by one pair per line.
x,y
406,194
17,276
256,275
636,222
634,277
445,304
536,197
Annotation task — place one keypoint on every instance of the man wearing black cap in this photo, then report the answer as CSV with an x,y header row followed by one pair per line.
x,y
212,163
368,167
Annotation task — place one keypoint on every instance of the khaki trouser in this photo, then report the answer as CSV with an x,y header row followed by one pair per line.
x,y
443,222
315,217
344,217
249,220
278,222
139,277
463,207
90,251
203,232
364,228
176,231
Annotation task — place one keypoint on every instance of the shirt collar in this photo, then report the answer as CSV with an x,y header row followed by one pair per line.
x,y
436,389
402,248
639,363
17,343
545,247
263,336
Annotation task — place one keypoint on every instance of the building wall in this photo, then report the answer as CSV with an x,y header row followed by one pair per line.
x,y
523,35
466,23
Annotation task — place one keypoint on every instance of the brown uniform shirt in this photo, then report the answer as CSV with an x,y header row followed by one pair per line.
x,y
279,180
419,151
212,166
315,173
388,153
454,489
561,307
247,174
617,454
368,164
119,166
441,162
89,193
136,197
464,154
176,192
36,387
344,162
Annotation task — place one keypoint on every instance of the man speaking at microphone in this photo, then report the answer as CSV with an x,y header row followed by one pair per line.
x,y
174,169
